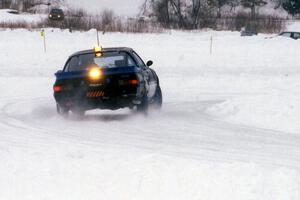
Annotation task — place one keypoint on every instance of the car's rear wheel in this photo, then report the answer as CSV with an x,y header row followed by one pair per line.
x,y
157,99
62,110
143,106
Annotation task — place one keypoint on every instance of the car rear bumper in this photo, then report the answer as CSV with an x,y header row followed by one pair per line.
x,y
89,100
100,102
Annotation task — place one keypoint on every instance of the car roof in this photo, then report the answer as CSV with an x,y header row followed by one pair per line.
x,y
126,49
56,9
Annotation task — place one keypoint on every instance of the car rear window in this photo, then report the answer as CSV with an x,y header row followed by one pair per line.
x,y
107,60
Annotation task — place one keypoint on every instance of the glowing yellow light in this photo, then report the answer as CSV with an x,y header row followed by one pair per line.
x,y
95,73
98,55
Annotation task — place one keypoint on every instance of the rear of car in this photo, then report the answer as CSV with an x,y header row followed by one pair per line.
x,y
110,80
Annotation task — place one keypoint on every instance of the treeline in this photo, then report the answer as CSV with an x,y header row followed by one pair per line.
x,y
195,14
25,5
79,20
166,14
105,21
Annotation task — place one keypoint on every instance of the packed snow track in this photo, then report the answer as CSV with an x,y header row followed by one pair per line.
x,y
228,128
180,129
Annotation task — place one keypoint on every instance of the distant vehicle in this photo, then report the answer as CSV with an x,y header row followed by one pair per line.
x,y
291,34
108,78
56,14
248,31
16,12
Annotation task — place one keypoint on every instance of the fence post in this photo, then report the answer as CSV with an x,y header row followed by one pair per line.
x,y
98,41
211,45
43,35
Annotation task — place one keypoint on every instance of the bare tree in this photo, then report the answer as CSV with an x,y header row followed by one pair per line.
x,y
252,4
196,5
5,3
161,10
233,4
220,4
177,7
108,19
278,3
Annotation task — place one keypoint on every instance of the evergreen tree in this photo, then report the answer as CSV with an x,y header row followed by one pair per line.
x,y
292,7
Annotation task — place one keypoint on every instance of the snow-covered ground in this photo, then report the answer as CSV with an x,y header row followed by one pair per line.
x,y
293,25
229,127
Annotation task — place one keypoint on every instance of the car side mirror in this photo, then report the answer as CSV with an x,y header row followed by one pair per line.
x,y
149,63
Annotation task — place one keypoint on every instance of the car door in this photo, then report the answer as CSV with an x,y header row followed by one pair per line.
x,y
149,76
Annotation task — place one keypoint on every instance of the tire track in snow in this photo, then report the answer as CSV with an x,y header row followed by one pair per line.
x,y
185,131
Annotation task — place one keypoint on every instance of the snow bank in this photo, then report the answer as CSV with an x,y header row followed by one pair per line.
x,y
275,112
22,17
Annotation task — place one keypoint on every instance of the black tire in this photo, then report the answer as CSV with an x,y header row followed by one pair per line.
x,y
62,110
143,107
157,99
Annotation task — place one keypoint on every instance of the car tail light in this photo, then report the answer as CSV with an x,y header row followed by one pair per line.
x,y
57,88
133,82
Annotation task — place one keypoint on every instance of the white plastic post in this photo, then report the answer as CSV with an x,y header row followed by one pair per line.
x,y
211,45
43,34
98,41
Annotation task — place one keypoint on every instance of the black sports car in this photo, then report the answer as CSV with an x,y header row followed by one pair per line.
x,y
109,78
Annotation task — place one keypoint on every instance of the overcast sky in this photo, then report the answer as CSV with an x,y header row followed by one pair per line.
x,y
121,7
